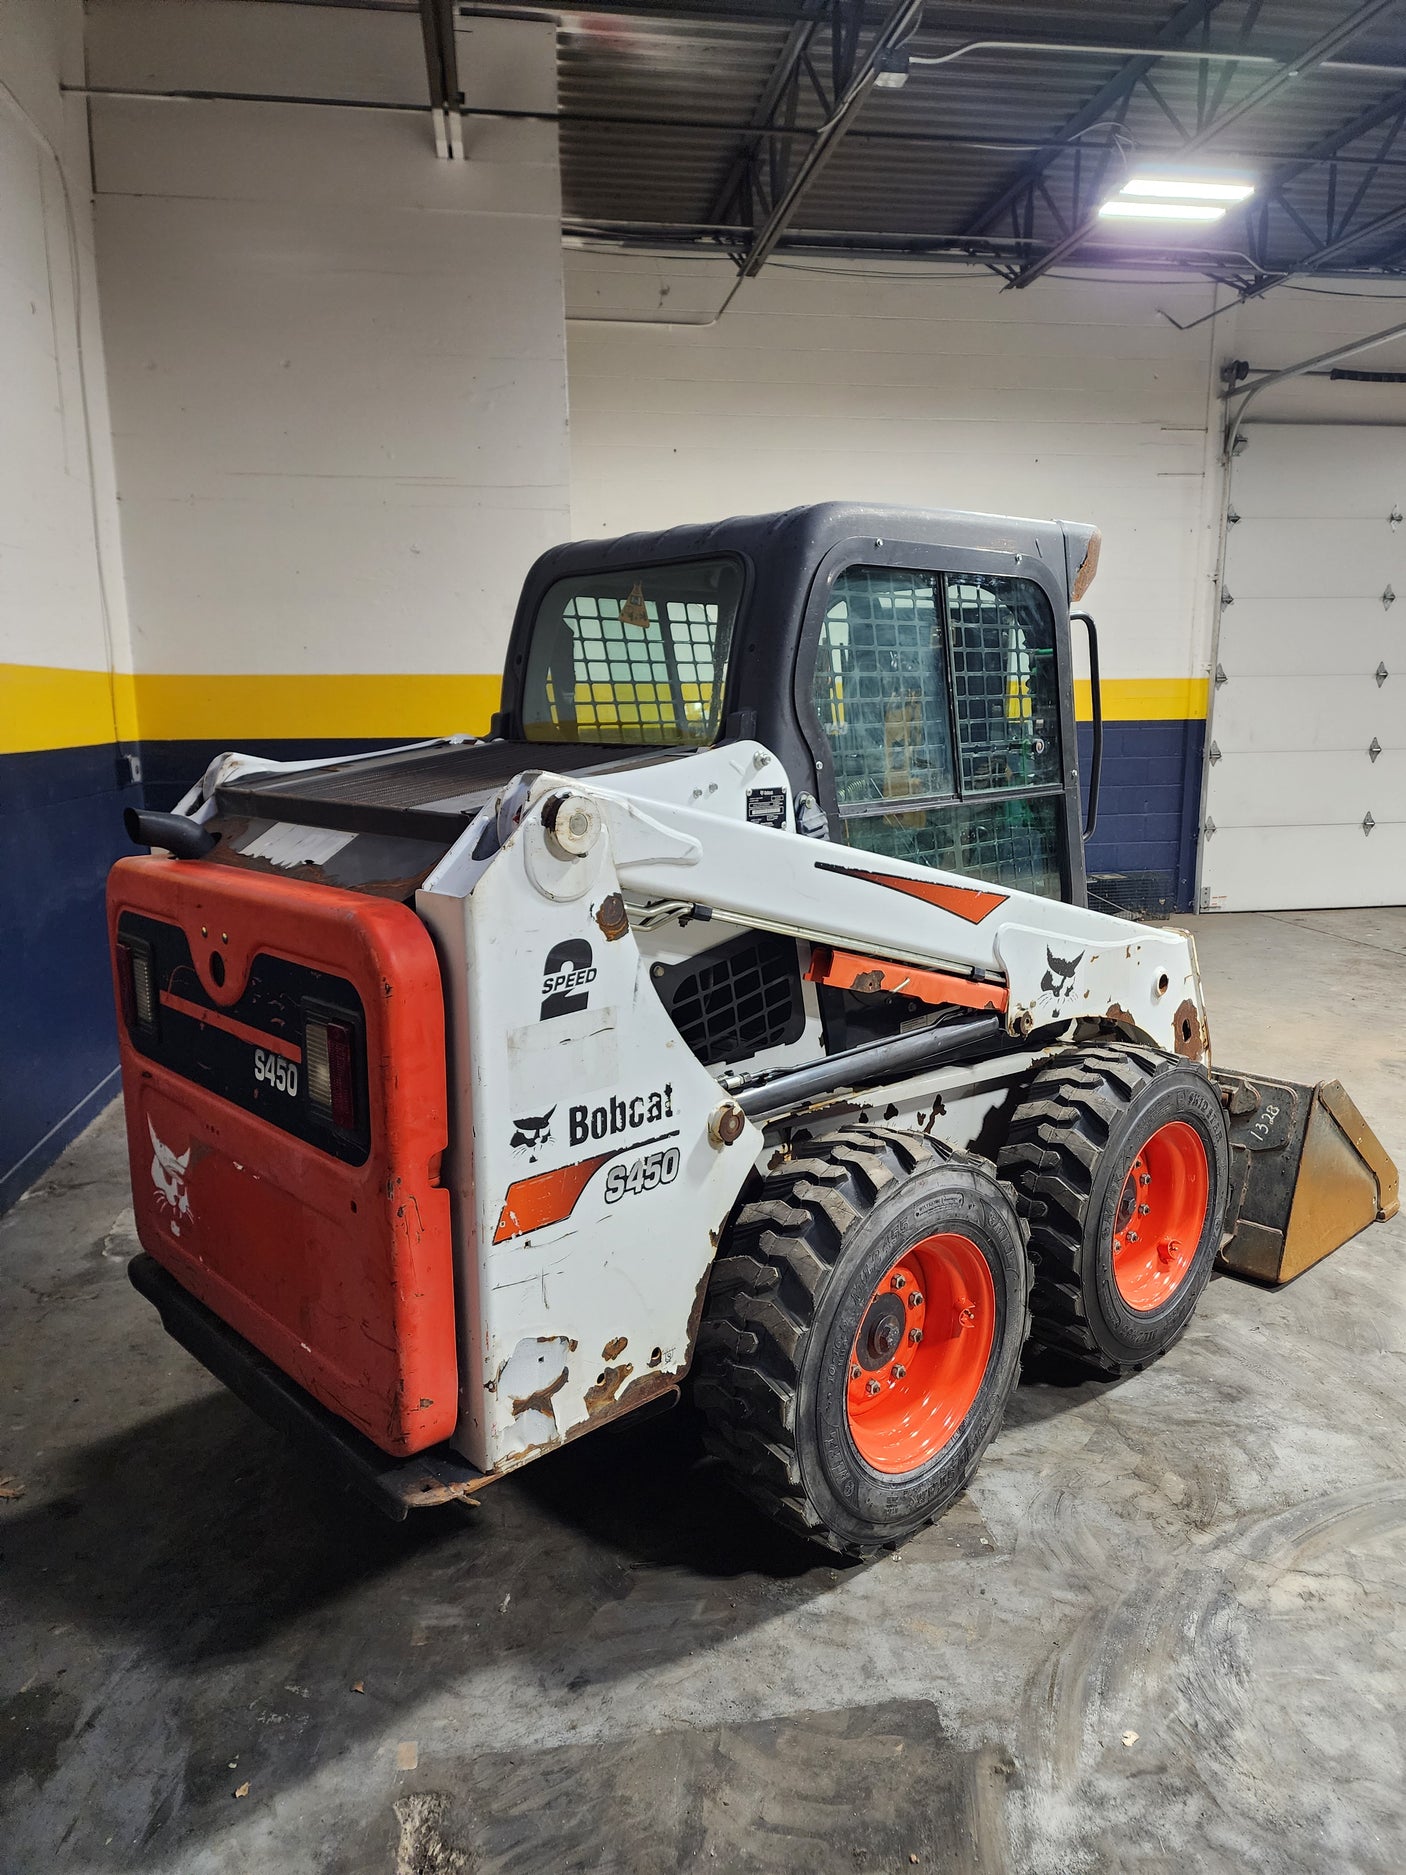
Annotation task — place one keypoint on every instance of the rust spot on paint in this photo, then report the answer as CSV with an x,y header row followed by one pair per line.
x,y
1123,1017
612,917
641,1390
1190,1036
541,1400
608,1384
613,1347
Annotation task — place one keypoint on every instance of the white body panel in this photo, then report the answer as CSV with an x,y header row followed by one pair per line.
x,y
589,1194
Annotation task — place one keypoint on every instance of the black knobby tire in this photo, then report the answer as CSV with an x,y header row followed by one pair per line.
x,y
1069,1155
790,1288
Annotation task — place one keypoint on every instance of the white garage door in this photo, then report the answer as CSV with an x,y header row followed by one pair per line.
x,y
1306,787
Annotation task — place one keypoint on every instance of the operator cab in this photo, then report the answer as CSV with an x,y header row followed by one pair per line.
x,y
911,669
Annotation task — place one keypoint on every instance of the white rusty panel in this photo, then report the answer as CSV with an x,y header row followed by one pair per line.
x,y
576,1093
1145,977
1300,868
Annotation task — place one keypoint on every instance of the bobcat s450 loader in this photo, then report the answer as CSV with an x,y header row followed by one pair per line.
x,y
732,1016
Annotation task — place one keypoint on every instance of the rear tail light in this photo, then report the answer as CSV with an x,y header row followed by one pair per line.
x,y
137,977
329,1057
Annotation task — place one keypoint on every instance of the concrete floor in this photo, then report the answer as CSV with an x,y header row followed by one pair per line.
x,y
1165,1630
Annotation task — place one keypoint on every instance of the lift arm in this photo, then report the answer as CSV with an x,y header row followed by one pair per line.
x,y
1056,962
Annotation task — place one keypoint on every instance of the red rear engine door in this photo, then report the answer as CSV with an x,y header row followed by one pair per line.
x,y
283,1065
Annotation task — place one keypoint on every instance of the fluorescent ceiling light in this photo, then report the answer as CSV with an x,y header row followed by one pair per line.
x,y
1123,210
1171,189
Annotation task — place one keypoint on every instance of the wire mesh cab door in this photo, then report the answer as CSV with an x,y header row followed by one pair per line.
x,y
935,689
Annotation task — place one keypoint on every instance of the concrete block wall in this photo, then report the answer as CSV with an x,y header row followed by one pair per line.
x,y
336,440
337,368
62,616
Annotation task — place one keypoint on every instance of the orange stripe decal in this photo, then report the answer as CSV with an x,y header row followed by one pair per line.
x,y
964,901
546,1197
845,970
272,1044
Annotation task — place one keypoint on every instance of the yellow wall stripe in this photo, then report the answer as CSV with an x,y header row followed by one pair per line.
x,y
42,707
354,707
46,708
1145,699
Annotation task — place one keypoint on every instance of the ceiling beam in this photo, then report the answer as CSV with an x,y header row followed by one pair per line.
x,y
898,27
760,131
442,73
1322,48
1180,26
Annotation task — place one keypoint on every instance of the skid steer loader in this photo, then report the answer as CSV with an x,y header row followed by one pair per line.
x,y
731,1015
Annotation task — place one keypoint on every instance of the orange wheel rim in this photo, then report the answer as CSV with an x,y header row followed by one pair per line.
x,y
921,1352
1160,1217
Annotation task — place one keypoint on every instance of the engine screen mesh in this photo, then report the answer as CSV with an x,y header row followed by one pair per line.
x,y
734,1001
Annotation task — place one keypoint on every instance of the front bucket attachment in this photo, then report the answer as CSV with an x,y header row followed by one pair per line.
x,y
1307,1173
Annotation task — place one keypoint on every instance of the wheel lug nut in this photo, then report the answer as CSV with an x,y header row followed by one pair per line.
x,y
855,1372
915,1335
1145,1178
915,1301
899,1371
900,1281
1132,1236
872,1387
1144,1210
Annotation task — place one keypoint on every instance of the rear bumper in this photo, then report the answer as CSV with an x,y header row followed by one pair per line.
x,y
395,1486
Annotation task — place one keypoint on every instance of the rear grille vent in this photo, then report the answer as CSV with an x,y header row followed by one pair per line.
x,y
734,1001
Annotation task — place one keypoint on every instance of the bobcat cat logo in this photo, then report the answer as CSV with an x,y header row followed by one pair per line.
x,y
168,1174
1059,978
531,1134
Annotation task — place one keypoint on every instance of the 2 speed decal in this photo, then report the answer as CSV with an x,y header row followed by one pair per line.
x,y
567,976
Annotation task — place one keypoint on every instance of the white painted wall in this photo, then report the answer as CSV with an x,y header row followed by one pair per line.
x,y
337,364
932,389
1075,398
58,531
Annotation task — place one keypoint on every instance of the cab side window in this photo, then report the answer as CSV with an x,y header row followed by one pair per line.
x,y
941,692
1004,683
881,688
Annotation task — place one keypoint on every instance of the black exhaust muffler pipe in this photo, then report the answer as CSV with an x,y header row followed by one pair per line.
x,y
182,838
